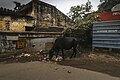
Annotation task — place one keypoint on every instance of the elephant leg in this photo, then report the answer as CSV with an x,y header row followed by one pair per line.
x,y
57,53
72,54
75,52
62,54
50,56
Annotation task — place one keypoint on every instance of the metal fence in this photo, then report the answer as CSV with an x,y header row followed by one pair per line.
x,y
106,34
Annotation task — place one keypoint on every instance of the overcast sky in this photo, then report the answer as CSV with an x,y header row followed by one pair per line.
x,y
62,5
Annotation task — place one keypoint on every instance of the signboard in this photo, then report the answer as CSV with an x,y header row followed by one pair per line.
x,y
12,37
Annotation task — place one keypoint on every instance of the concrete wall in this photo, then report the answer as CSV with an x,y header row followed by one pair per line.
x,y
7,43
15,25
2,25
39,44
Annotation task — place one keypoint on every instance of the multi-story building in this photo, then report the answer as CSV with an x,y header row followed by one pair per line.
x,y
35,14
36,19
45,14
10,21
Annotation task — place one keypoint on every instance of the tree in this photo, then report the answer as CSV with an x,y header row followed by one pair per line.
x,y
77,12
18,5
83,19
107,5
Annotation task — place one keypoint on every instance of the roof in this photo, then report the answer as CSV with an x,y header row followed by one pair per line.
x,y
8,12
28,7
49,29
30,32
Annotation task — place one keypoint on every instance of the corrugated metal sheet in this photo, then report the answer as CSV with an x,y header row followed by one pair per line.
x,y
106,34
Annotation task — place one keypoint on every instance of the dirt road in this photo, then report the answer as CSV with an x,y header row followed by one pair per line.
x,y
48,71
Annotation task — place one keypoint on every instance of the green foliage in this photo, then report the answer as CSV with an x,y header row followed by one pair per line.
x,y
106,5
77,12
83,19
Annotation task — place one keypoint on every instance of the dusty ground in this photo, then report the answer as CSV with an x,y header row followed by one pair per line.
x,y
99,62
48,71
81,68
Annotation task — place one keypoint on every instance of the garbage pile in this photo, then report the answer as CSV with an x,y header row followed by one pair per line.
x,y
38,56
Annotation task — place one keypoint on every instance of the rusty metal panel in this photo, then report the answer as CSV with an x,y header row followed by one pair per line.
x,y
21,43
106,34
